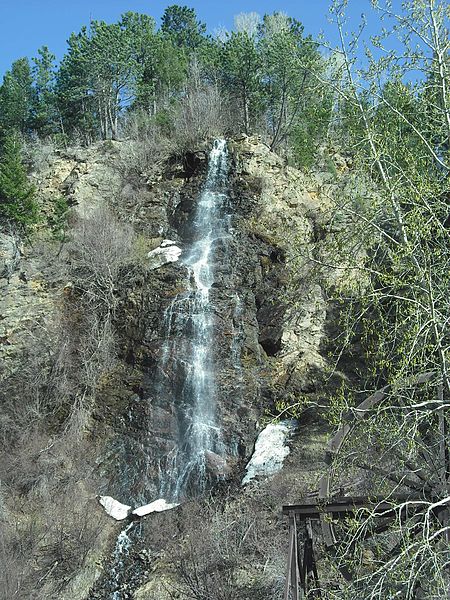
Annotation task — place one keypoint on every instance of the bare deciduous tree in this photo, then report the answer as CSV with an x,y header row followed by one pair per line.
x,y
101,245
202,112
247,23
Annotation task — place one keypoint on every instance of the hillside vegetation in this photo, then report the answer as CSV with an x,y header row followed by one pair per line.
x,y
128,113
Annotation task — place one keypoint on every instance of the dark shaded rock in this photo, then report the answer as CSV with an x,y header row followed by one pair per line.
x,y
193,162
9,255
217,466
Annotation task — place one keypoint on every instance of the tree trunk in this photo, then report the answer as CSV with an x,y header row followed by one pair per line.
x,y
246,111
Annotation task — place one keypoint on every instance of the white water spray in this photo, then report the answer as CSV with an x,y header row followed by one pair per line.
x,y
121,550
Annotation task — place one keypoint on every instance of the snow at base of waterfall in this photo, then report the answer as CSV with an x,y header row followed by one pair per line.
x,y
167,252
270,452
119,511
114,508
156,506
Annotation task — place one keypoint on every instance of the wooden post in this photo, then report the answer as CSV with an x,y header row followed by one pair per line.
x,y
293,572
289,562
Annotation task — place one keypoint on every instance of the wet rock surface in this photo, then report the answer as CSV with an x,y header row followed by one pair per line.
x,y
150,423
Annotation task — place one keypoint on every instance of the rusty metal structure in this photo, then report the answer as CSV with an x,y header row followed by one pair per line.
x,y
327,507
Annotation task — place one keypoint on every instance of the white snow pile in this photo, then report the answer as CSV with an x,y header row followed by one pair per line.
x,y
271,449
156,506
167,252
114,509
119,511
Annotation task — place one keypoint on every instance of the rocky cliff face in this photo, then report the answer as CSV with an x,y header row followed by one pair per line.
x,y
269,347
277,350
285,215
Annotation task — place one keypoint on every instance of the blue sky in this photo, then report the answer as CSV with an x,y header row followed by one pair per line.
x,y
29,24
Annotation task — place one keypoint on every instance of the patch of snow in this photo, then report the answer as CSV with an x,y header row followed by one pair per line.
x,y
156,506
114,509
167,252
166,243
270,451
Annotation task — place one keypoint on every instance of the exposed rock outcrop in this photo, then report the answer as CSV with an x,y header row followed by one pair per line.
x,y
27,299
9,255
292,309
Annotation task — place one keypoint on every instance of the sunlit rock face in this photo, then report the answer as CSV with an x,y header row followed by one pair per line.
x,y
9,255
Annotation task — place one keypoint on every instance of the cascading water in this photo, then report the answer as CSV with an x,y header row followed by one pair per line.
x,y
122,546
188,352
186,368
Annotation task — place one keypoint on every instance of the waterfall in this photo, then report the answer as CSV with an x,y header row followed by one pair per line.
x,y
186,380
188,350
121,549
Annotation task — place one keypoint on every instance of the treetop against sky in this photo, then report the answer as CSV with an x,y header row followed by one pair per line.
x,y
30,24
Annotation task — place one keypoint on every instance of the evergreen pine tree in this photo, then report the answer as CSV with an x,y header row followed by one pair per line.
x,y
17,203
45,117
182,25
16,98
